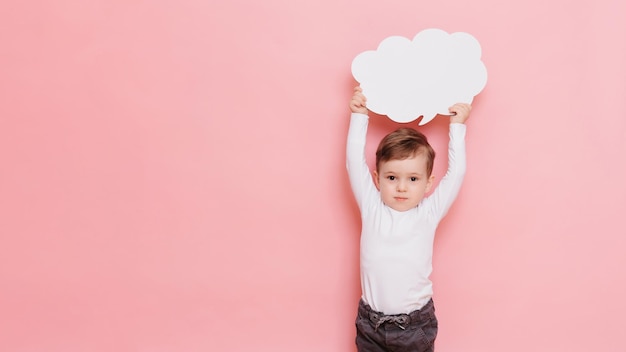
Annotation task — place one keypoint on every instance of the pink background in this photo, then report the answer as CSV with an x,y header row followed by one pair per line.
x,y
172,175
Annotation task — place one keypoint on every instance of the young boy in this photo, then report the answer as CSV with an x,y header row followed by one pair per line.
x,y
396,311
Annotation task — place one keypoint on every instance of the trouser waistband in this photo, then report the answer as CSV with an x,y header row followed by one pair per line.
x,y
421,315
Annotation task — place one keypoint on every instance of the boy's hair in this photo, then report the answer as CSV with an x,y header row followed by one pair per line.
x,y
405,143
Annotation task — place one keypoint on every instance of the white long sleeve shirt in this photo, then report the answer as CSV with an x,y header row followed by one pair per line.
x,y
397,247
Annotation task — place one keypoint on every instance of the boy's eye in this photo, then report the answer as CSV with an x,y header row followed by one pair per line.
x,y
413,179
391,178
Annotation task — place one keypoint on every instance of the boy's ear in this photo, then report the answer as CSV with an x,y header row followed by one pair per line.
x,y
429,183
376,181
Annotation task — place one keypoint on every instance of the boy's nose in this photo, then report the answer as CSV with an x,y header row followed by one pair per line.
x,y
401,186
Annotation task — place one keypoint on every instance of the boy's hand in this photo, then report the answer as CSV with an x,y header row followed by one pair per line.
x,y
358,102
461,112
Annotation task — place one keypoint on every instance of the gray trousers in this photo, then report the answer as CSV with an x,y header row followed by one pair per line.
x,y
413,332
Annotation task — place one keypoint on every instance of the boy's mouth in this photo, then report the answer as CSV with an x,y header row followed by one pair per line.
x,y
400,199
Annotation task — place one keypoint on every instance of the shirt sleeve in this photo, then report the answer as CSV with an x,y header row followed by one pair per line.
x,y
444,195
358,172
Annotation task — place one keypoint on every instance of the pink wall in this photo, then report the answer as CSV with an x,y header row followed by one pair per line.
x,y
172,175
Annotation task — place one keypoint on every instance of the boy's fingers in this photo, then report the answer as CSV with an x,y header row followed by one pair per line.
x,y
460,106
358,102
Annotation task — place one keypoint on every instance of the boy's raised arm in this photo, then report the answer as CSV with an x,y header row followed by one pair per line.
x,y
450,185
358,172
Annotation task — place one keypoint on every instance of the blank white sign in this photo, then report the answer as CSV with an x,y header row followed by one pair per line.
x,y
405,79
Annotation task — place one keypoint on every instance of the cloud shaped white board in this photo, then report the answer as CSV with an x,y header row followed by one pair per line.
x,y
405,79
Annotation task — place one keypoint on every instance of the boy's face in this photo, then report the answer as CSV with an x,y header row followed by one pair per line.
x,y
403,183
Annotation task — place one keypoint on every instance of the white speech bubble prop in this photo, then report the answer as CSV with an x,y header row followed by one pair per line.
x,y
406,79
